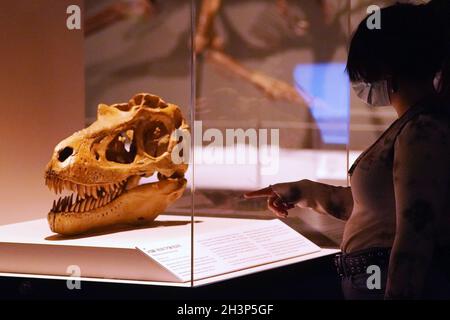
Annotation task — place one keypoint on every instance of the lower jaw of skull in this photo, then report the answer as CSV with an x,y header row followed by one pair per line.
x,y
126,204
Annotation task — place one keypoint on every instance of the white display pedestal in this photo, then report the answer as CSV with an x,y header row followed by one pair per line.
x,y
29,249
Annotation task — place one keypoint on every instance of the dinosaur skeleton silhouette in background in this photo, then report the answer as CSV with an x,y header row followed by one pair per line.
x,y
209,44
116,12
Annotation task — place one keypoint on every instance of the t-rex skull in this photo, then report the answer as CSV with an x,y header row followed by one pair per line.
x,y
104,162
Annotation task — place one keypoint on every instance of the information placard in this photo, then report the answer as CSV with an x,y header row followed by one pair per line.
x,y
230,250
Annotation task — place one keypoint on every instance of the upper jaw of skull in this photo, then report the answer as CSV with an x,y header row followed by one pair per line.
x,y
126,141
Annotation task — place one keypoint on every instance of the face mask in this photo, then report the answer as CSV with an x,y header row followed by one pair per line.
x,y
375,94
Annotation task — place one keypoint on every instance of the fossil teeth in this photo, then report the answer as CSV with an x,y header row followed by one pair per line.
x,y
94,192
82,205
82,191
87,190
77,207
94,204
58,204
90,204
64,204
86,206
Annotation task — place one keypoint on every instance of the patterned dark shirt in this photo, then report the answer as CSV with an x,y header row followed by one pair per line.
x,y
405,171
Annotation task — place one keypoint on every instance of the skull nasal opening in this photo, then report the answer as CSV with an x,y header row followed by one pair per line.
x,y
63,154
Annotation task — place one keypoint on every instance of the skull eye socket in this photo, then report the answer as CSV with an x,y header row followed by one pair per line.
x,y
122,106
122,148
63,154
156,139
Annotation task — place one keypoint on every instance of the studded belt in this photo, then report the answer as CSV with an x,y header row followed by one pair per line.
x,y
348,264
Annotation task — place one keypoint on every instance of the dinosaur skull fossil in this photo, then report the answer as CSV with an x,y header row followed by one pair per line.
x,y
103,163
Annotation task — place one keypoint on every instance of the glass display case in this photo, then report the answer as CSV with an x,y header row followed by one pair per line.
x,y
261,84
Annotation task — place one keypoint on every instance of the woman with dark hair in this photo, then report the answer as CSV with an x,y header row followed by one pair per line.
x,y
397,210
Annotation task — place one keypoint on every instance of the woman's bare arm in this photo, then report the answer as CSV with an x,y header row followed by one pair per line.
x,y
421,168
320,197
332,200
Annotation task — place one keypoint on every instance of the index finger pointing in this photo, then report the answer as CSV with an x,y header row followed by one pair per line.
x,y
266,192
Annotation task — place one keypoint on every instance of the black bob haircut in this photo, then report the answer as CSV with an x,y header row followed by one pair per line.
x,y
413,42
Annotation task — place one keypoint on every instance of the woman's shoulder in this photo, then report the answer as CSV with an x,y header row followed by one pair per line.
x,y
432,126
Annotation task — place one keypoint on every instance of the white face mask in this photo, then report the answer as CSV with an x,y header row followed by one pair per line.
x,y
375,94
